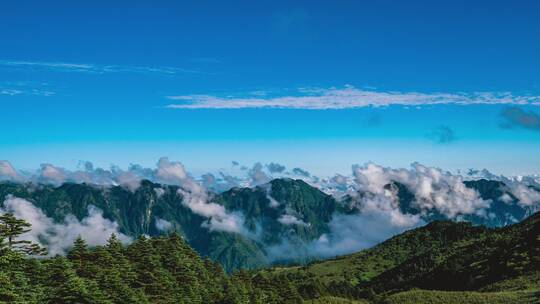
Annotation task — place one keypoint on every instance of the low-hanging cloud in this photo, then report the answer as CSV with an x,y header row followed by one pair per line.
x,y
257,175
59,237
196,199
289,219
525,189
350,233
349,97
433,189
163,225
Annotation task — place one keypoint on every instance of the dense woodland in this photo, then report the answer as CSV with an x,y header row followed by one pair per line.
x,y
497,264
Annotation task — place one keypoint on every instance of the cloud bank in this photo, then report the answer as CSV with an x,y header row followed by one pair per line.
x,y
378,213
433,189
349,97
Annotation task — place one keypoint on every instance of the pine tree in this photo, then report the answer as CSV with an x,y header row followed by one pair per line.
x,y
109,277
151,277
79,255
11,228
120,260
63,285
185,268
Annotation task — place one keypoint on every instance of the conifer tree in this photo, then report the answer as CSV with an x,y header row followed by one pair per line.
x,y
63,285
11,228
78,255
151,276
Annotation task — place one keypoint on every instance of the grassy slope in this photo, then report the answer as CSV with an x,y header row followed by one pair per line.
x,y
335,300
463,297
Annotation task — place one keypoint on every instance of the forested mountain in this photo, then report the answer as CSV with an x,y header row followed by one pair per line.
x,y
451,262
282,211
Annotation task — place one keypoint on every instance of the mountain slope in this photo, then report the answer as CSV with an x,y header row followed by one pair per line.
x,y
138,212
282,207
439,256
489,257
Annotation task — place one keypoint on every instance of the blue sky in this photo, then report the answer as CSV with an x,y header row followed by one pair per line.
x,y
316,85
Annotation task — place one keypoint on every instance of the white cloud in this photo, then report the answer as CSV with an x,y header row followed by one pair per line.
x,y
25,91
434,189
170,172
349,97
350,233
163,225
195,197
129,180
11,92
58,237
257,175
524,188
289,219
7,172
527,196
159,192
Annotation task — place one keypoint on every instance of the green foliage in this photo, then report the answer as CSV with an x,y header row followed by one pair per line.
x,y
11,228
461,297
335,300
529,281
150,270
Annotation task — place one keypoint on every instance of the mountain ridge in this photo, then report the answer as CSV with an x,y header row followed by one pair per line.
x,y
283,209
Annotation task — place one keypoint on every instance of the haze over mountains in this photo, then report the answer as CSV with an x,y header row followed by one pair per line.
x,y
294,218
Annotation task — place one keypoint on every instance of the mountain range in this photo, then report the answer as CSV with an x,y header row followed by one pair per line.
x,y
281,219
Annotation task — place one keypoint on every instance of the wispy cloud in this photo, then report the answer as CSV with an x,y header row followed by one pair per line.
x,y
348,97
25,89
94,68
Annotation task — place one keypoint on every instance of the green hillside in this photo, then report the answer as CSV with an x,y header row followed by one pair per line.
x,y
439,256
